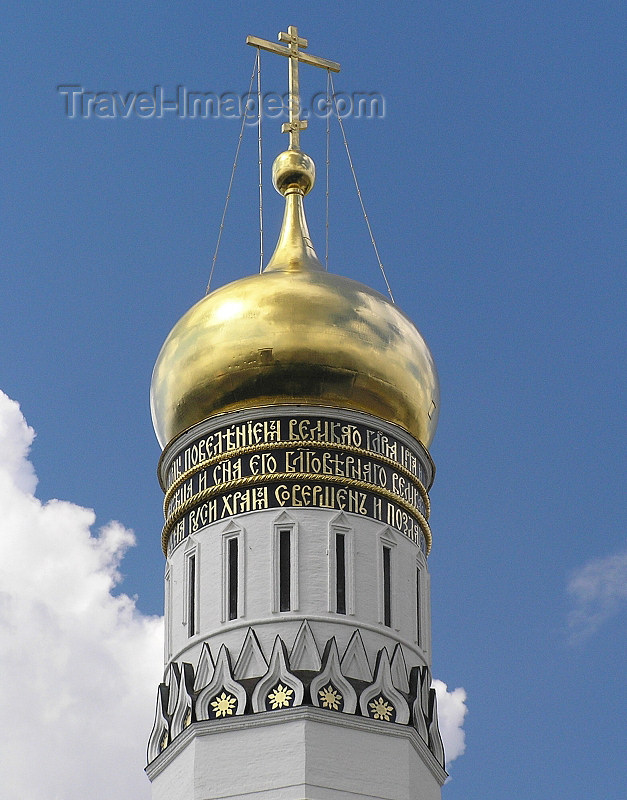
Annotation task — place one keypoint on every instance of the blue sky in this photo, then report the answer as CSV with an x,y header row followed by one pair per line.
x,y
496,187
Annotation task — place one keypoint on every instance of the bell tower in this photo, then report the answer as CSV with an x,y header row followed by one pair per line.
x,y
295,408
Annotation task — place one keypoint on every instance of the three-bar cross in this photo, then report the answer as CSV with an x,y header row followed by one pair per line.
x,y
294,53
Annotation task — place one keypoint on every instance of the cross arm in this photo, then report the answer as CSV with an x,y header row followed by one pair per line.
x,y
280,50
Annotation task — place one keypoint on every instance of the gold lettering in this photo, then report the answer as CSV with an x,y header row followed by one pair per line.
x,y
317,431
227,502
352,436
229,437
260,498
382,478
329,497
258,433
218,472
174,471
195,518
289,467
353,500
272,430
241,501
362,503
353,468
209,445
177,535
340,499
183,493
282,494
357,502
263,464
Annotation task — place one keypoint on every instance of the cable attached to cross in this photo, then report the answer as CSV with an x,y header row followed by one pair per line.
x,y
361,201
228,193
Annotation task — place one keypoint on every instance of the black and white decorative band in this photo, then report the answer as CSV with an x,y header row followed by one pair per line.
x,y
231,686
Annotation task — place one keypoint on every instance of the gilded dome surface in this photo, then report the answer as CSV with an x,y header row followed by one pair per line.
x,y
295,337
295,334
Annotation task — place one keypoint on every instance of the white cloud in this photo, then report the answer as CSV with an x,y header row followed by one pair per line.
x,y
451,712
598,589
78,666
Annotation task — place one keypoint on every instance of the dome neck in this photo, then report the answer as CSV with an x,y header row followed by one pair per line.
x,y
294,251
293,175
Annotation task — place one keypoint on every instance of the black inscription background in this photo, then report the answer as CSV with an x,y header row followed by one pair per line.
x,y
303,460
313,430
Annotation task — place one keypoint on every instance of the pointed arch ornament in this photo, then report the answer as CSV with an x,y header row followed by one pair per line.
x,y
159,737
172,685
223,696
204,668
251,662
435,739
419,710
398,668
381,700
184,710
330,689
355,660
304,654
278,688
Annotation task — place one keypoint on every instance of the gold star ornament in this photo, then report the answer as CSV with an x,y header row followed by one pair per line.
x,y
330,698
381,709
280,697
224,705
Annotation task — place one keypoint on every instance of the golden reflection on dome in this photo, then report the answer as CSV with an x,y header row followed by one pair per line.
x,y
299,337
229,310
295,334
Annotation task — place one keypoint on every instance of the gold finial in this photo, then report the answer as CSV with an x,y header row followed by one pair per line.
x,y
293,175
294,53
293,172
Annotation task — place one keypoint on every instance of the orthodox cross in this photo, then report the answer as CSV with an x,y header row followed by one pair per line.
x,y
294,53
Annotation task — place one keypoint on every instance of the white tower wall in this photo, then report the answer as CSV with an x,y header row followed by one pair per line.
x,y
314,530
298,635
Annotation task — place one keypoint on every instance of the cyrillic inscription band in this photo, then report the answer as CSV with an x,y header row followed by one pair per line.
x,y
315,462
320,430
295,461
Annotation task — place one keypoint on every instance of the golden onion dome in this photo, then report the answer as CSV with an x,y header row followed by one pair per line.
x,y
295,334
